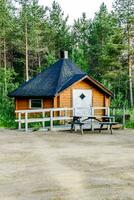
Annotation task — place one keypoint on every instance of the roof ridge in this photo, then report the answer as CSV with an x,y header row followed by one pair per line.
x,y
60,74
84,75
58,89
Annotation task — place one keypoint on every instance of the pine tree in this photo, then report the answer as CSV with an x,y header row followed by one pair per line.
x,y
36,44
24,27
6,26
80,41
106,48
125,11
59,36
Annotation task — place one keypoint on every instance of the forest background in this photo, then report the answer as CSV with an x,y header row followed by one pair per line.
x,y
32,36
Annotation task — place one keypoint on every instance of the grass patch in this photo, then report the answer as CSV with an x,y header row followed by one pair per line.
x,y
130,123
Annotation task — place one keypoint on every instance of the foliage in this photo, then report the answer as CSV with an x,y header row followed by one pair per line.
x,y
7,115
118,101
80,37
99,46
130,123
124,10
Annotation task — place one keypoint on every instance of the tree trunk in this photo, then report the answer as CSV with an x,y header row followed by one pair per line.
x,y
130,65
26,51
5,65
39,60
0,52
38,54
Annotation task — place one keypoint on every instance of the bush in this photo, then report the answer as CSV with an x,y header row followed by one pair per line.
x,y
7,115
130,123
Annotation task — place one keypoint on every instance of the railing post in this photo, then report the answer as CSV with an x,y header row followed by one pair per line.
x,y
108,111
43,123
114,114
51,120
92,126
74,111
26,121
65,112
19,115
60,113
65,115
124,120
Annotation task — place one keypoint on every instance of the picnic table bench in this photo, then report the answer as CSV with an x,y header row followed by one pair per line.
x,y
110,124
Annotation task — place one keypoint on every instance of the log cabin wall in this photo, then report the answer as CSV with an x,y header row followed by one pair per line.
x,y
107,101
65,98
23,104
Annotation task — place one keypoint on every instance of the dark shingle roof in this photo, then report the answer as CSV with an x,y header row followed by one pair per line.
x,y
51,81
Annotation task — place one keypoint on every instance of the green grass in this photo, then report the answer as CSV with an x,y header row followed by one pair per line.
x,y
130,123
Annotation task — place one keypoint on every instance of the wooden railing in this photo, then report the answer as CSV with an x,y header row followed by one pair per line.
x,y
51,115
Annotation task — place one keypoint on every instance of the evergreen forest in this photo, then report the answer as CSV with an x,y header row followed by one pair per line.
x,y
32,36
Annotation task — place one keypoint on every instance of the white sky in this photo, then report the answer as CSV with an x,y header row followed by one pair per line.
x,y
74,8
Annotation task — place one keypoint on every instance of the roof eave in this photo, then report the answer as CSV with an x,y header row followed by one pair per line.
x,y
98,84
102,87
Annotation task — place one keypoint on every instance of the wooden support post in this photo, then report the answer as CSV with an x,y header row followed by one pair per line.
x,y
114,114
26,121
65,114
92,126
43,123
108,111
19,115
51,120
124,120
73,112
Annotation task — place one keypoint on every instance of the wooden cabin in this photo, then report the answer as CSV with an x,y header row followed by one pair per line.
x,y
61,85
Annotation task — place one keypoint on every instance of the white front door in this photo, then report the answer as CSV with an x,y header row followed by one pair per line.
x,y
82,101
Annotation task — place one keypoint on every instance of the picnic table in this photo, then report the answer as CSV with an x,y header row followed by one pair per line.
x,y
77,121
105,120
108,121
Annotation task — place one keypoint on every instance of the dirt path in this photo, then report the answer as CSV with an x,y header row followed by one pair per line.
x,y
64,166
69,180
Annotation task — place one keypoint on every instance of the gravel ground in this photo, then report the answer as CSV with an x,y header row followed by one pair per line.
x,y
65,166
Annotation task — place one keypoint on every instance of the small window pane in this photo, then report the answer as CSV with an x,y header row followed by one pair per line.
x,y
82,96
36,103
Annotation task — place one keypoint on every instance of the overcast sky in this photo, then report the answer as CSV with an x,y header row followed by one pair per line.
x,y
74,8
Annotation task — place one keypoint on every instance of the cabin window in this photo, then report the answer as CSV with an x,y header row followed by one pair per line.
x,y
82,96
35,103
